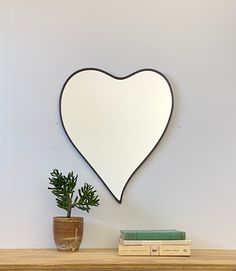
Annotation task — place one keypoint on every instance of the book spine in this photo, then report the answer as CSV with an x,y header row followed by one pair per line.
x,y
154,242
174,242
171,250
155,250
175,235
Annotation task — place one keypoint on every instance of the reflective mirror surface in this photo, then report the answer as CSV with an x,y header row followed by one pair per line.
x,y
115,122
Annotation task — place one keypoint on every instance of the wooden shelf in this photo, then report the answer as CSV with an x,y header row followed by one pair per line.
x,y
107,259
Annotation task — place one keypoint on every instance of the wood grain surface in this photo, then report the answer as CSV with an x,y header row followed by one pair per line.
x,y
108,259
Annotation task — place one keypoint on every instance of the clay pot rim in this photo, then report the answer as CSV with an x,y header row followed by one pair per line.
x,y
64,218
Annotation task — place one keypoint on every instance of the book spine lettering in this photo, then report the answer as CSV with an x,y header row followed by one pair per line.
x,y
171,250
133,250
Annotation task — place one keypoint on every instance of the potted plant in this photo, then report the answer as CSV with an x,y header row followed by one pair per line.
x,y
68,230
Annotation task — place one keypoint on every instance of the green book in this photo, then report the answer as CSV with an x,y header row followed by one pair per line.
x,y
152,235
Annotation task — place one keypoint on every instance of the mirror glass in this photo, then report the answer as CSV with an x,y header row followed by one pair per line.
x,y
115,122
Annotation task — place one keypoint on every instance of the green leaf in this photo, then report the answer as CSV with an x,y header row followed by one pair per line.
x,y
63,187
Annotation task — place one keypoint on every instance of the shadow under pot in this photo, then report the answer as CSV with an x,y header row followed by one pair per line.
x,y
68,233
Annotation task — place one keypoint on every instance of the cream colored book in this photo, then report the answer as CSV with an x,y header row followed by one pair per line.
x,y
154,250
174,250
154,242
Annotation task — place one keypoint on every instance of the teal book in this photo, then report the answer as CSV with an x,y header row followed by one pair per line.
x,y
152,235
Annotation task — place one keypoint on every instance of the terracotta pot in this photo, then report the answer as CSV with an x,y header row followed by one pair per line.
x,y
68,232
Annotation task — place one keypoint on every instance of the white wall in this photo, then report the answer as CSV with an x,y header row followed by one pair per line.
x,y
187,183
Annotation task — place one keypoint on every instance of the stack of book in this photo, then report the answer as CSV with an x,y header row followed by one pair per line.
x,y
154,243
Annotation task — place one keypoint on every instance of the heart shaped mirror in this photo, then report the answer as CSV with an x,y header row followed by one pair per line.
x,y
115,122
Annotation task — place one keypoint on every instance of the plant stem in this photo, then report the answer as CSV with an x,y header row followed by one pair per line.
x,y
69,199
69,212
